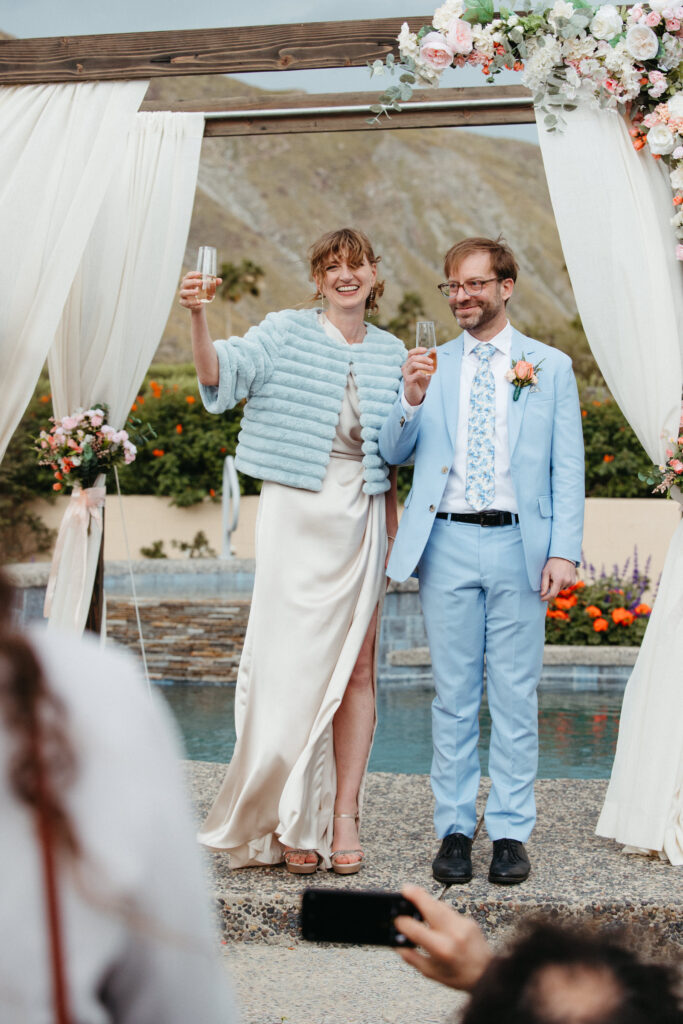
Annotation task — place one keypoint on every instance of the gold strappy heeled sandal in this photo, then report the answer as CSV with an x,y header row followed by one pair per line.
x,y
307,868
355,865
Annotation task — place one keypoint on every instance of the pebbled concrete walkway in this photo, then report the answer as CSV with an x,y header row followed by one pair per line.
x,y
575,875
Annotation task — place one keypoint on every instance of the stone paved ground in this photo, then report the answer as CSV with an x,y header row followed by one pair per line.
x,y
575,876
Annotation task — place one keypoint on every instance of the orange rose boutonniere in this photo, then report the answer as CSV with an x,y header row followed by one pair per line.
x,y
522,374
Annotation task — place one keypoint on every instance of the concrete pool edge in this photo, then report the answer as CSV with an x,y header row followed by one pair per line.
x,y
575,874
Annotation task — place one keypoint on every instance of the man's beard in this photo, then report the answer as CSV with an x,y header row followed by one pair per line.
x,y
480,315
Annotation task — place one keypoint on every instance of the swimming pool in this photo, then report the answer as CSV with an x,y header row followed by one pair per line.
x,y
577,728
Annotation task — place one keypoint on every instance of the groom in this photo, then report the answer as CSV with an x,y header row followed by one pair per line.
x,y
492,527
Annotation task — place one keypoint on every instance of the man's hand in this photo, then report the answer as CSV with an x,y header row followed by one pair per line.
x,y
456,952
557,574
417,372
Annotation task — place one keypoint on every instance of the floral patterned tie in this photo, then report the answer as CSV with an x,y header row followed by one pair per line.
x,y
481,431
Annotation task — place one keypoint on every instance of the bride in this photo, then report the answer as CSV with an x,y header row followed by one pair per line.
x,y
318,385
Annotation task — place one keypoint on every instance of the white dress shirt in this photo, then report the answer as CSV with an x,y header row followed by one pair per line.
x,y
453,499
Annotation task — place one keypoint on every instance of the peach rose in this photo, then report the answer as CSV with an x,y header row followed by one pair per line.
x,y
676,465
435,51
524,370
459,36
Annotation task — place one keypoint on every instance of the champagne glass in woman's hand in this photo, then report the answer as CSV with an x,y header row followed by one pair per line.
x,y
206,266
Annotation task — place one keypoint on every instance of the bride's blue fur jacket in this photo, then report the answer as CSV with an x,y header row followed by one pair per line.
x,y
294,377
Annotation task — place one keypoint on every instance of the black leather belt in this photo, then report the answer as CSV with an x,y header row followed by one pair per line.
x,y
488,517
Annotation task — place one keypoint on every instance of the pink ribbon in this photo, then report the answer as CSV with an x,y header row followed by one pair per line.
x,y
83,506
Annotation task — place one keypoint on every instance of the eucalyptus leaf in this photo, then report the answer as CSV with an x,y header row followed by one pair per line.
x,y
408,78
376,108
550,120
390,59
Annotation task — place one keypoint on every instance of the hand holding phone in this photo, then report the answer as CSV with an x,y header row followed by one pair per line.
x,y
360,916
454,949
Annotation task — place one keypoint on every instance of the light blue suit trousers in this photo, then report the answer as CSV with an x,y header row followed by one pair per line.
x,y
479,586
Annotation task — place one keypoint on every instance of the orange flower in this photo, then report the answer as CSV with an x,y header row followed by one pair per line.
x,y
557,615
223,451
596,402
579,585
178,428
56,487
593,611
58,475
678,200
583,412
600,625
518,66
608,458
622,616
158,452
133,407
140,400
565,603
642,609
45,399
212,492
190,399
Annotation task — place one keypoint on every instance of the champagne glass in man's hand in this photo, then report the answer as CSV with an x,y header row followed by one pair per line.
x,y
425,337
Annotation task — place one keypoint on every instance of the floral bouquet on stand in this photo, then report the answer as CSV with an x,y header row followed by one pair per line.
x,y
78,448
669,476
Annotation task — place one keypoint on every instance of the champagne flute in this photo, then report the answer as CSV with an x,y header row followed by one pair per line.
x,y
206,265
425,337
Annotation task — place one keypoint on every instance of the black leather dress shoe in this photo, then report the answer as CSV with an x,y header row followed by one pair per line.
x,y
509,864
453,863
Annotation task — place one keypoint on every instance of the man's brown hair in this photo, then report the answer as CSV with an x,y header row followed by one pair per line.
x,y
503,262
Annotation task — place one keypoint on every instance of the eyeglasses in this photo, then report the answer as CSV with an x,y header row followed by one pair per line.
x,y
473,287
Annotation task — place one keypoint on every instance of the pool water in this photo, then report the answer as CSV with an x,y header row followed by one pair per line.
x,y
577,729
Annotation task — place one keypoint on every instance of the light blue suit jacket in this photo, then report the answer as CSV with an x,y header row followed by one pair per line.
x,y
546,457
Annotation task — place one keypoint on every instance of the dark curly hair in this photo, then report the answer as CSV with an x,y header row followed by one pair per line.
x,y
543,978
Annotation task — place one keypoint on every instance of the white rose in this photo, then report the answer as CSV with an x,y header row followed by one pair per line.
x,y
607,22
641,42
560,10
658,5
660,139
675,105
677,178
513,20
444,15
407,41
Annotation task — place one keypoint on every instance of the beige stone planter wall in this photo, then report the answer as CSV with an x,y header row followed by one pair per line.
x,y
612,528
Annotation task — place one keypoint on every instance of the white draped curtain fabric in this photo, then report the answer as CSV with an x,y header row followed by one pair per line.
x,y
116,312
612,207
60,144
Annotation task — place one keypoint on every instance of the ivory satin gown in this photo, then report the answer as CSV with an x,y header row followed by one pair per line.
x,y
319,577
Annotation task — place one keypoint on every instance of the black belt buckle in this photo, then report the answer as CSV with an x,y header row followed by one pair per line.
x,y
491,518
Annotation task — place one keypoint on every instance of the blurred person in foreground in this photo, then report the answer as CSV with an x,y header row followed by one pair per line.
x,y
104,915
551,974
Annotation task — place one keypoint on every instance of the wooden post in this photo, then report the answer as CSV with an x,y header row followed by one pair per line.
x,y
96,611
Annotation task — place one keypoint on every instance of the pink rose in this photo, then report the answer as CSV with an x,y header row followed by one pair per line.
x,y
459,36
524,370
636,13
71,422
653,19
435,51
96,421
679,252
673,25
676,465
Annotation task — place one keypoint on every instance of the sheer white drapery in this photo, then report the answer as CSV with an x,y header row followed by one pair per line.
x,y
612,208
118,305
59,148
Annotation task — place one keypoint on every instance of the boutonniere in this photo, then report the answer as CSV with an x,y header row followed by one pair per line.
x,y
522,374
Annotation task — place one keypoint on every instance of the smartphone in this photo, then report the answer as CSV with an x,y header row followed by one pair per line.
x,y
364,917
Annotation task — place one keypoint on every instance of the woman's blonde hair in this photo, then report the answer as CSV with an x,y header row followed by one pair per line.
x,y
348,244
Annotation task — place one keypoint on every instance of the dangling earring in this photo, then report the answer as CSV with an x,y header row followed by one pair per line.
x,y
372,304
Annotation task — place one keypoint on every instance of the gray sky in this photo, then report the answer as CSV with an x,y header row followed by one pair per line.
x,y
35,18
